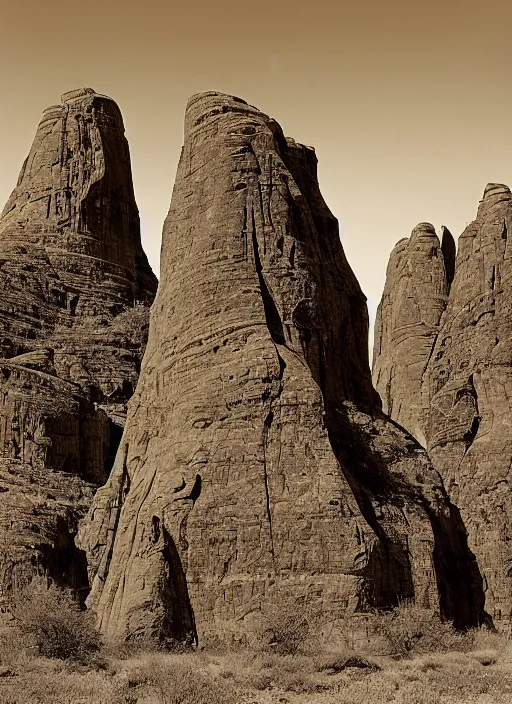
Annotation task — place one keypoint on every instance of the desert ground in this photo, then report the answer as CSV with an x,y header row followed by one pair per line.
x,y
50,653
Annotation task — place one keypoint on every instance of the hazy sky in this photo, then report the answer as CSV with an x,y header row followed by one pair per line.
x,y
408,104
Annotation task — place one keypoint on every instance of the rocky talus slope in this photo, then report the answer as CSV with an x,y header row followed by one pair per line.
x,y
256,464
75,290
462,381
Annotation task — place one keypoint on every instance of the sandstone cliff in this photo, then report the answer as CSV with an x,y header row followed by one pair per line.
x,y
407,321
463,391
75,292
256,463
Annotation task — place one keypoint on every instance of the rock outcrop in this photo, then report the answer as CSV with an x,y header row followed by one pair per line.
x,y
407,322
256,464
465,389
74,306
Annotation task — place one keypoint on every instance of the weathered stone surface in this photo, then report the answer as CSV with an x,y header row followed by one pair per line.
x,y
466,390
407,322
70,251
256,462
75,292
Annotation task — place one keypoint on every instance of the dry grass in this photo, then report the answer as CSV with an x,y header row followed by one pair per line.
x,y
474,669
256,678
410,629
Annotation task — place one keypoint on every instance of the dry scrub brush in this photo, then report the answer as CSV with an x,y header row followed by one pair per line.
x,y
410,629
287,629
51,620
174,679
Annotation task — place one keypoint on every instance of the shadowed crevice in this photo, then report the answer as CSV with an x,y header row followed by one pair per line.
x,y
449,255
266,430
178,621
459,582
272,317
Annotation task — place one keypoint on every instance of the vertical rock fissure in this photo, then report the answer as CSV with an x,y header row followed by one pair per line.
x,y
449,256
272,317
124,486
275,328
266,430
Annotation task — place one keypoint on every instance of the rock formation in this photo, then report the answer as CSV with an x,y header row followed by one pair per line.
x,y
465,388
407,321
256,464
75,291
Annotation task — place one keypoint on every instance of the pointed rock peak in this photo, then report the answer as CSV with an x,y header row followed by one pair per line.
x,y
496,189
494,194
448,249
423,232
77,93
80,102
203,103
424,228
247,121
399,247
441,372
75,191
214,95
210,105
75,290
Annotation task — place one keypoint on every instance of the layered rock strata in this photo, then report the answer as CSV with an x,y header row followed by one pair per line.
x,y
74,306
407,322
465,389
256,465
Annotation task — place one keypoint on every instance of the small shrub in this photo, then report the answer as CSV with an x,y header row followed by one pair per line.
x,y
52,620
284,630
12,646
223,641
259,680
132,324
486,638
334,664
410,629
177,680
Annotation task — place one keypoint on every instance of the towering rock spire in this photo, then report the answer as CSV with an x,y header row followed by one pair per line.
x,y
256,462
407,322
74,198
466,386
75,291
71,256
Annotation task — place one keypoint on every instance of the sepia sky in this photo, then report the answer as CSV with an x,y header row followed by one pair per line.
x,y
408,104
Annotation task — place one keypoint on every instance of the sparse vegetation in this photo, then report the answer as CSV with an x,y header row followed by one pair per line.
x,y
132,324
285,629
410,629
435,664
50,619
174,679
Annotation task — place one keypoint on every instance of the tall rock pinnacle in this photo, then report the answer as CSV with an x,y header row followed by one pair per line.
x,y
75,196
466,388
407,322
256,463
75,292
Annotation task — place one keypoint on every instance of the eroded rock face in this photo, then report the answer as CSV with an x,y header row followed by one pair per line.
x,y
407,322
256,463
74,307
70,251
466,387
